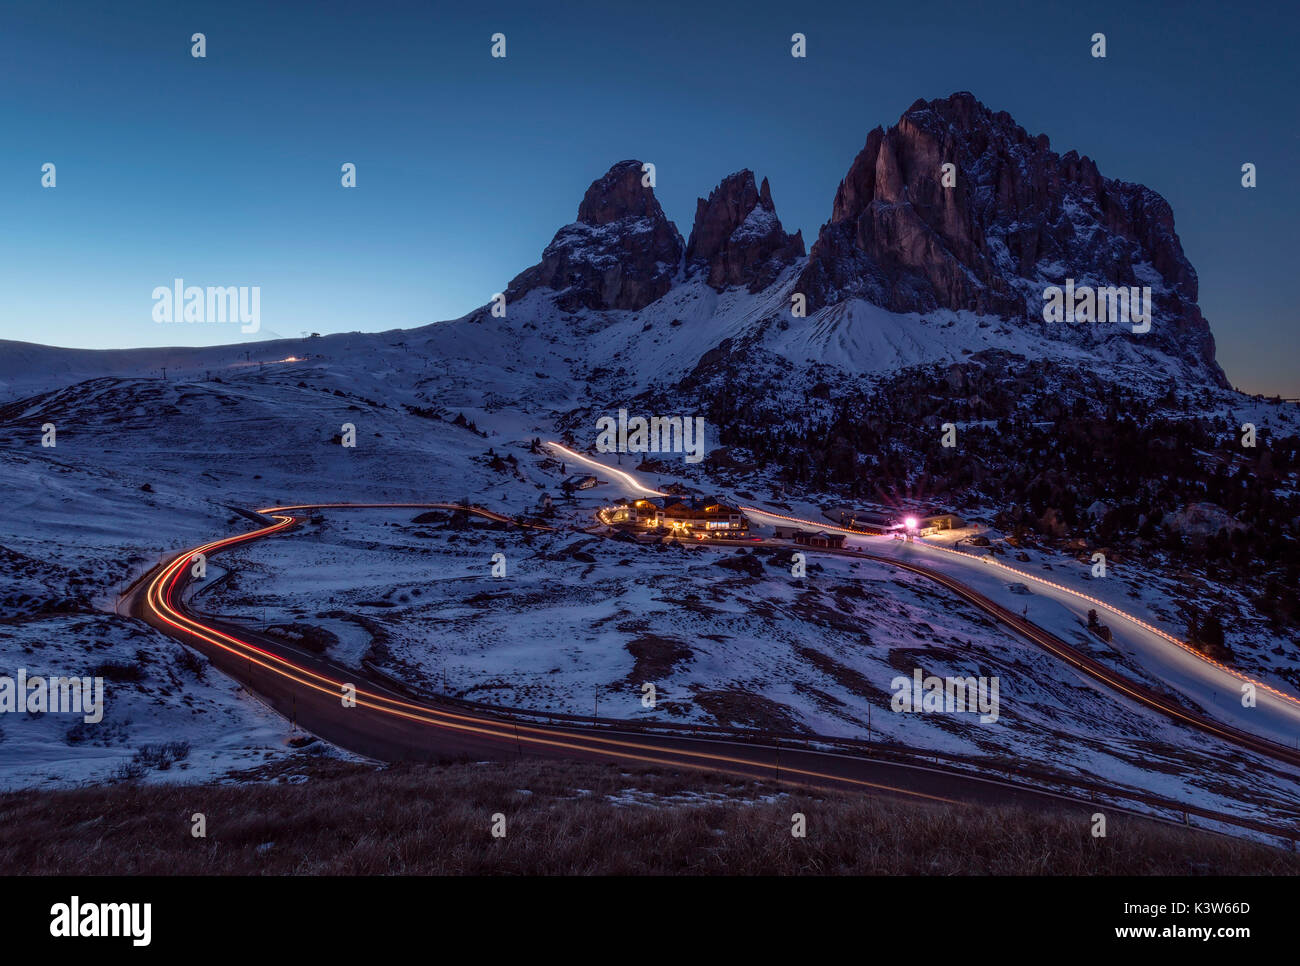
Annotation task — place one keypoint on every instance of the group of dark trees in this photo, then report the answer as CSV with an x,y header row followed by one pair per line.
x,y
1206,633
1065,453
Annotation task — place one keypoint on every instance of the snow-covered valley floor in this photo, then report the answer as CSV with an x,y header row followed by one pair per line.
x,y
579,624
147,466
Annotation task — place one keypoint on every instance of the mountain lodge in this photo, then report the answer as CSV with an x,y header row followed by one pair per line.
x,y
699,516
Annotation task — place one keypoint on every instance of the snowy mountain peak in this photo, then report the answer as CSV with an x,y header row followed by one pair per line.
x,y
622,192
958,207
737,238
621,253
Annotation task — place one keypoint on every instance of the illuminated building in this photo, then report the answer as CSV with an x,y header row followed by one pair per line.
x,y
701,517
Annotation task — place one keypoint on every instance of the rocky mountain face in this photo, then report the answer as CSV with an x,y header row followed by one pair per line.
x,y
737,238
621,253
955,207
624,253
1017,218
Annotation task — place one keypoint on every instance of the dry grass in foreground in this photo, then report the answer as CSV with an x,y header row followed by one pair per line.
x,y
321,816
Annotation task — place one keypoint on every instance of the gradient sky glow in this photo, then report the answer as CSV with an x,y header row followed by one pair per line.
x,y
225,171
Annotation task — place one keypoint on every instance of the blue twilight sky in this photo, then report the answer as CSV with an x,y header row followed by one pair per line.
x,y
225,171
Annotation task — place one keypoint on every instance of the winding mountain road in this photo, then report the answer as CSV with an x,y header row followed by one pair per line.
x,y
386,724
386,721
1283,709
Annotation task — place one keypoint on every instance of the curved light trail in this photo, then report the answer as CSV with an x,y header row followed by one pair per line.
x,y
288,677
161,604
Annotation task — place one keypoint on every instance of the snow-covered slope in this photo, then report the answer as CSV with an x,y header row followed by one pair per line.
x,y
155,444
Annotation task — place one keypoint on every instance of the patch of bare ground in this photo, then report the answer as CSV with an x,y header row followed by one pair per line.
x,y
848,678
307,636
656,656
747,710
328,817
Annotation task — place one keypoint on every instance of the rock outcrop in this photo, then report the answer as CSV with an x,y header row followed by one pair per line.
x,y
621,253
1018,218
737,238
